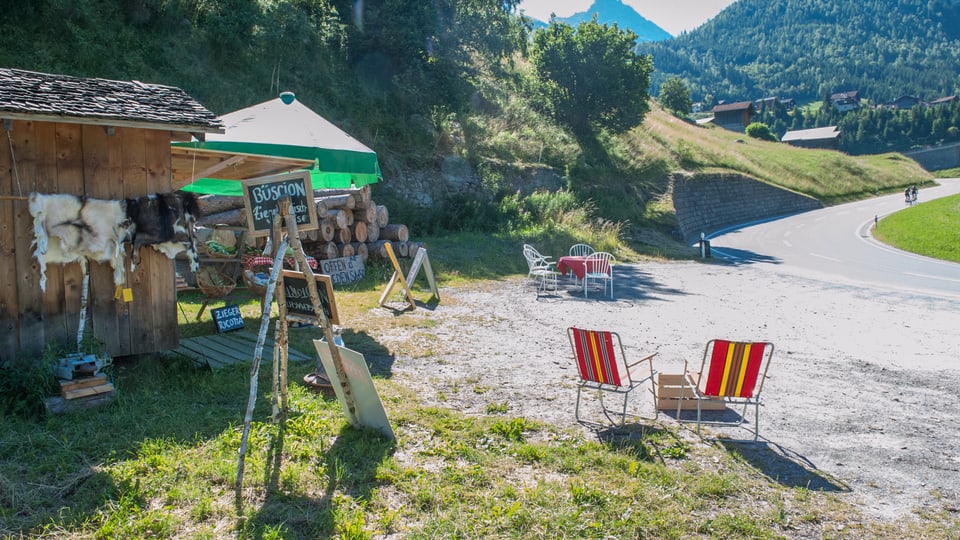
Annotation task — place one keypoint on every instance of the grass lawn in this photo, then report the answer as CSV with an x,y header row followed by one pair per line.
x,y
930,228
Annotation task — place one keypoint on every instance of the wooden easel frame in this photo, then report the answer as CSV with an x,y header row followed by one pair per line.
x,y
397,276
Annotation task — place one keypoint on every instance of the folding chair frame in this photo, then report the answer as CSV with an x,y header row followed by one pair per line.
x,y
616,384
744,396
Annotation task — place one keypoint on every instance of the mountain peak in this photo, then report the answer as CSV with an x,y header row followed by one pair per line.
x,y
625,17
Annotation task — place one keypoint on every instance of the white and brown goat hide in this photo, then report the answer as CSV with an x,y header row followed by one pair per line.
x,y
164,221
75,229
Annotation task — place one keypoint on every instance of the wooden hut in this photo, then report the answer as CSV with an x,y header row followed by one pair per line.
x,y
101,139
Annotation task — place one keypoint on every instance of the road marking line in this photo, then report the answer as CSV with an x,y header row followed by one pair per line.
x,y
928,276
825,257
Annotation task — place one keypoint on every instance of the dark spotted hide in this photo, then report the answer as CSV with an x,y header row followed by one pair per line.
x,y
164,221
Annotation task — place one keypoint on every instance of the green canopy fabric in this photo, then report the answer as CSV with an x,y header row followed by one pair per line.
x,y
284,127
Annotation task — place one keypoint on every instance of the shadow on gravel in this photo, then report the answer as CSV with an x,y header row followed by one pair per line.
x,y
783,466
630,284
735,256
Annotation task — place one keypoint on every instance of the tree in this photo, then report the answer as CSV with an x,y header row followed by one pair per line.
x,y
591,76
675,96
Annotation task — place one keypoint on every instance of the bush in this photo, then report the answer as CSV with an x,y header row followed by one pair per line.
x,y
25,382
759,130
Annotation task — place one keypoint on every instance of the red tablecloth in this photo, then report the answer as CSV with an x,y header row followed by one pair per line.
x,y
577,265
289,262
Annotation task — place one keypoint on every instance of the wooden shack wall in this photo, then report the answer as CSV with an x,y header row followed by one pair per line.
x,y
102,163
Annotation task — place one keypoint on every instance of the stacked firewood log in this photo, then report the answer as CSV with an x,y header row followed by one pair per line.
x,y
350,223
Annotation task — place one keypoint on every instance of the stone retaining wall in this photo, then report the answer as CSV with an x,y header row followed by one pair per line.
x,y
703,202
935,159
709,202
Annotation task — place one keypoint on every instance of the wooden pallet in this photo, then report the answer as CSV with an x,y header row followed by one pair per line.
x,y
85,387
81,394
221,350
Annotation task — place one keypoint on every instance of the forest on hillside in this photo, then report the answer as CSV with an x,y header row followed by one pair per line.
x,y
418,81
808,49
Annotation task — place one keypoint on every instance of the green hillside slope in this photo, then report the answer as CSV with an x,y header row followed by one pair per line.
x,y
471,99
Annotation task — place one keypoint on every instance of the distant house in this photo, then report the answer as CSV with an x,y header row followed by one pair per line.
x,y
734,116
825,137
765,103
770,102
906,102
845,101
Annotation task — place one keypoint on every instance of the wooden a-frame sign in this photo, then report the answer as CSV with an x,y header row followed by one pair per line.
x,y
420,260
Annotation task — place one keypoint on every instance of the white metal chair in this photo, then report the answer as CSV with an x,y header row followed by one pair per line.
x,y
580,250
598,268
540,268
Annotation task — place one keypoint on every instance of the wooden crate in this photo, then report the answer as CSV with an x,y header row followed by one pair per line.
x,y
669,393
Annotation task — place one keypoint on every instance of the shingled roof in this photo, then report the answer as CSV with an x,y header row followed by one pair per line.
x,y
42,96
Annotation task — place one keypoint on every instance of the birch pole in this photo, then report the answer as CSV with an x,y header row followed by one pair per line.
x,y
258,354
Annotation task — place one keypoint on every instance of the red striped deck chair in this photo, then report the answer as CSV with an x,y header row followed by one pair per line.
x,y
732,371
601,365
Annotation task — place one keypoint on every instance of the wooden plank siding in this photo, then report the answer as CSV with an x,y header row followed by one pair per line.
x,y
135,176
55,320
163,281
29,300
101,305
98,162
9,328
70,181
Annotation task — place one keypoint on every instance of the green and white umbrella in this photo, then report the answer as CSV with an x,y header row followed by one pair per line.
x,y
284,127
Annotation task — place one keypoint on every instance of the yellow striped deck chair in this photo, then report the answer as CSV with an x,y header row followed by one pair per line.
x,y
601,365
732,371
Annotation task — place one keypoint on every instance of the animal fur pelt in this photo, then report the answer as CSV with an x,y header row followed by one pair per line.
x,y
76,229
164,221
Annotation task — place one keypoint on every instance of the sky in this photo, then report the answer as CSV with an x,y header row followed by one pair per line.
x,y
674,16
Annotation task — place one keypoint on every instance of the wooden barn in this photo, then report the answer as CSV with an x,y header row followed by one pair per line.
x,y
734,116
100,139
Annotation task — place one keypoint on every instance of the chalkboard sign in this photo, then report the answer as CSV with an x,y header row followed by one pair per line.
x,y
261,198
343,270
227,318
298,295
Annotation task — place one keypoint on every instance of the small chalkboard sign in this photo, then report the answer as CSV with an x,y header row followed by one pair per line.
x,y
343,270
227,318
298,295
261,198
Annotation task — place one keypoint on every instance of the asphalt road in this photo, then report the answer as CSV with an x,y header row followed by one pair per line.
x,y
835,243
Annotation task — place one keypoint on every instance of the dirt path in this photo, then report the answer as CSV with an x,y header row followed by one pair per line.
x,y
862,385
